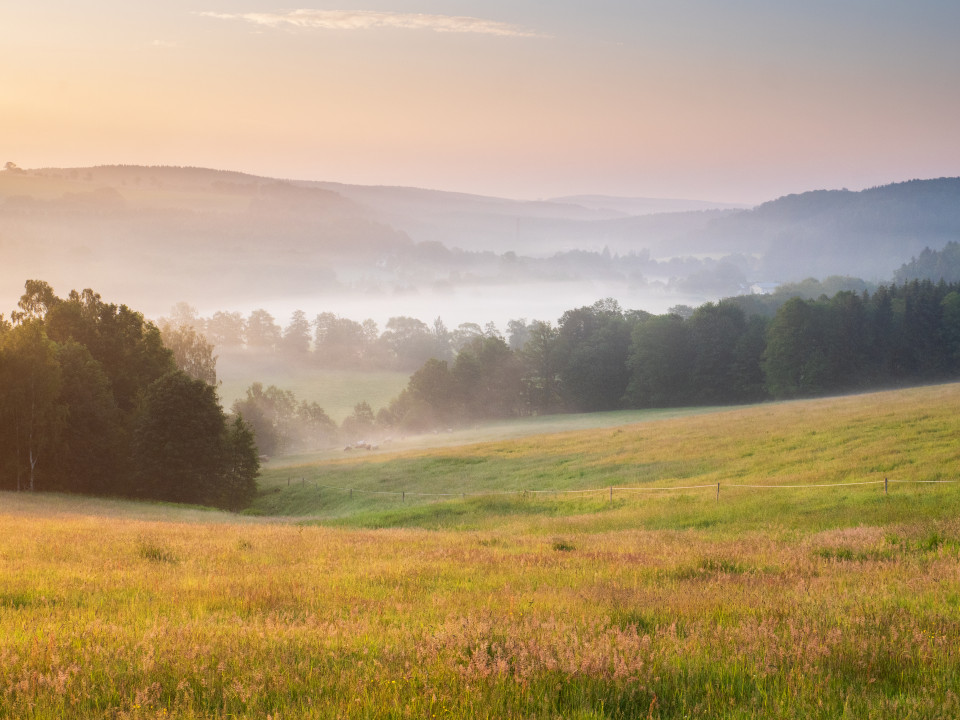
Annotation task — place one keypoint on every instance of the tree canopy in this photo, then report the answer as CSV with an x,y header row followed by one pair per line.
x,y
92,401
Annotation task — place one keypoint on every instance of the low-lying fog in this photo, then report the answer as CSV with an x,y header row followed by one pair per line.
x,y
497,304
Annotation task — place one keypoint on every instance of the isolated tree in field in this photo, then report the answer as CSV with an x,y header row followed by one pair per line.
x,y
314,428
359,423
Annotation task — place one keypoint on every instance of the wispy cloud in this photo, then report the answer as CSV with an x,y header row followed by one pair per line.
x,y
368,20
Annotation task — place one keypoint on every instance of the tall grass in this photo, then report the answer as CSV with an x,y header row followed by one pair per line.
x,y
785,603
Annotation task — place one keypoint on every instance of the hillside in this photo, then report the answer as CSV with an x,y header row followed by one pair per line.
x,y
866,234
228,240
904,436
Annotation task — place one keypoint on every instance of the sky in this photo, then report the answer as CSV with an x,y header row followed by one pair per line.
x,y
721,100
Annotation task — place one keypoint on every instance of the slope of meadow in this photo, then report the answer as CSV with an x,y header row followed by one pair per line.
x,y
905,436
788,603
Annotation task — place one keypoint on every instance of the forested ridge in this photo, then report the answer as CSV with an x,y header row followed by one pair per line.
x,y
601,357
92,401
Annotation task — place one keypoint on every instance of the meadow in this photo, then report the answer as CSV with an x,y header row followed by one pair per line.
x,y
787,602
336,391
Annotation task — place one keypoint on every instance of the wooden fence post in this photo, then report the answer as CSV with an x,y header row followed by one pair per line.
x,y
718,492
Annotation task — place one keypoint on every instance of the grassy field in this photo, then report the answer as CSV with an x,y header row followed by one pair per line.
x,y
904,436
773,603
336,391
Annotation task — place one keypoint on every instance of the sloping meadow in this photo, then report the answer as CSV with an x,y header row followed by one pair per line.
x,y
804,603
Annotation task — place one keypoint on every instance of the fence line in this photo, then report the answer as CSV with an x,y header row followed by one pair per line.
x,y
611,489
774,487
926,482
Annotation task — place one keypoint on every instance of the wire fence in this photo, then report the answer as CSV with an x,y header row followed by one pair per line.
x,y
610,490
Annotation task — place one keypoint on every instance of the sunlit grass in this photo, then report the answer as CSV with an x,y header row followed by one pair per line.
x,y
786,603
138,618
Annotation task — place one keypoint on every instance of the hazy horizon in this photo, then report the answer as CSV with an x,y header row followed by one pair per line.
x,y
727,103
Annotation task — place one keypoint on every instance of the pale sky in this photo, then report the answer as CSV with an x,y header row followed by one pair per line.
x,y
725,100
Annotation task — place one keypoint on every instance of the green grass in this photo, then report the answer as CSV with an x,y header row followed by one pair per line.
x,y
336,391
781,603
906,436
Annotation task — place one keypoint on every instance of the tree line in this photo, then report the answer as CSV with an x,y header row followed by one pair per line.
x,y
331,341
92,401
601,357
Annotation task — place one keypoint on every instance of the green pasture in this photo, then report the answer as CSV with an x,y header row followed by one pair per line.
x,y
336,391
623,474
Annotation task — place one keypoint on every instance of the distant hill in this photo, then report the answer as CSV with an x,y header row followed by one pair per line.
x,y
838,232
932,265
157,235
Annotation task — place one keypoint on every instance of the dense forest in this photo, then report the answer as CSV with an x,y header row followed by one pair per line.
x,y
92,401
603,358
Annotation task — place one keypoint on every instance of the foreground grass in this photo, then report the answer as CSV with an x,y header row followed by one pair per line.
x,y
144,619
786,603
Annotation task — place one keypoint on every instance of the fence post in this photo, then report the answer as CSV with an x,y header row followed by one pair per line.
x,y
718,492
351,493
885,481
403,496
288,482
611,493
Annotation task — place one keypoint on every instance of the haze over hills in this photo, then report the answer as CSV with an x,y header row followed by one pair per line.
x,y
152,236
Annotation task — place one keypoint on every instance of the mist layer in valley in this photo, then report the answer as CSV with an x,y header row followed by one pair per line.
x,y
225,241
